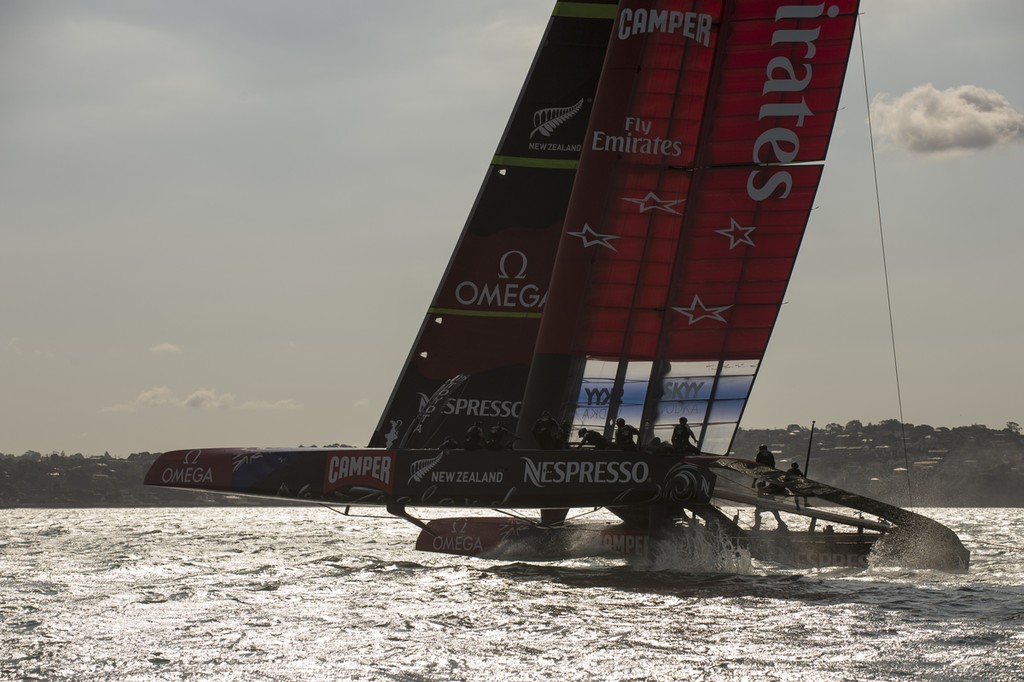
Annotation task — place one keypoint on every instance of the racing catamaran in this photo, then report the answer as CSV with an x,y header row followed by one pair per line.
x,y
625,261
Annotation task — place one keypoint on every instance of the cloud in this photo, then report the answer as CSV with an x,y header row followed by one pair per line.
x,y
201,398
208,399
961,119
165,348
156,396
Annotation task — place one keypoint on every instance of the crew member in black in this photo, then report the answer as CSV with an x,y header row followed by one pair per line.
x,y
793,473
474,438
594,439
658,445
624,435
682,434
764,456
546,431
498,438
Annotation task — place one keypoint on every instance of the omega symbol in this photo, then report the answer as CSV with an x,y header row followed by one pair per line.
x,y
503,270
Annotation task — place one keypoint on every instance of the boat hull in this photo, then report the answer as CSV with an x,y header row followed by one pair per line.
x,y
511,538
651,492
441,478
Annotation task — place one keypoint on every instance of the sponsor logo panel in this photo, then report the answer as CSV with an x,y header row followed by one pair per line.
x,y
686,389
194,469
467,477
464,543
821,559
624,542
476,407
427,471
510,289
561,472
545,134
469,537
371,469
636,137
695,26
781,144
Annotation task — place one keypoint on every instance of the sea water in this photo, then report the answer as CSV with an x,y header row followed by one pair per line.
x,y
306,594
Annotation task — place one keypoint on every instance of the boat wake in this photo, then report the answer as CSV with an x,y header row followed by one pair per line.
x,y
697,549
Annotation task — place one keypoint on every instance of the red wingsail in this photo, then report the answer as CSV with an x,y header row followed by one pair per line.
x,y
689,205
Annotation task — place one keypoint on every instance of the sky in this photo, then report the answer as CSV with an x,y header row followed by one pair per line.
x,y
221,223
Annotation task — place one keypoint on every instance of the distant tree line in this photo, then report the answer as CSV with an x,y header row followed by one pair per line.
x,y
58,480
904,464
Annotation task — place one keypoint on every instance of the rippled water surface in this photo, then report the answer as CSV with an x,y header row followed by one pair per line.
x,y
303,593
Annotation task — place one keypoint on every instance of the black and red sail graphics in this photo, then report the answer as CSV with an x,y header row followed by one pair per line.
x,y
694,188
482,324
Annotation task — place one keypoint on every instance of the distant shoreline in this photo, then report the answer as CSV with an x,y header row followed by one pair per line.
x,y
906,465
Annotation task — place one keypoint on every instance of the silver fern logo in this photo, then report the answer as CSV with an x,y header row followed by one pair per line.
x,y
547,121
420,468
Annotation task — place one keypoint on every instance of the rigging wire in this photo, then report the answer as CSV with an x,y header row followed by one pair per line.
x,y
885,267
537,523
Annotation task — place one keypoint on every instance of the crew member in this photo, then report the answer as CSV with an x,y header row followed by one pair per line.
x,y
474,438
498,438
793,473
765,457
624,435
546,432
682,434
593,439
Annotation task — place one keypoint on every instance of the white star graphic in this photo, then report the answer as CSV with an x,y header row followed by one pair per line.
x,y
698,311
597,239
737,234
652,202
